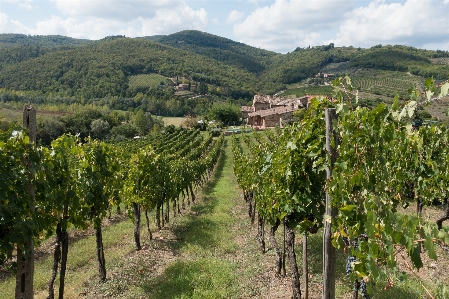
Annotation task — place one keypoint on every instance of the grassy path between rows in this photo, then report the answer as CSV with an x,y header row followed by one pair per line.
x,y
199,254
209,251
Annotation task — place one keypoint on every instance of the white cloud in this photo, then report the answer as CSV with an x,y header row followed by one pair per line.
x,y
56,25
11,26
93,28
258,1
124,10
234,16
415,22
172,20
97,28
27,4
284,25
96,19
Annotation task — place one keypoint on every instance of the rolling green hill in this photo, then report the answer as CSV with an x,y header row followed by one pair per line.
x,y
15,48
103,69
403,59
57,66
11,40
252,59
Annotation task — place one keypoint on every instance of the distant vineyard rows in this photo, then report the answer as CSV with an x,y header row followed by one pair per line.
x,y
147,80
387,86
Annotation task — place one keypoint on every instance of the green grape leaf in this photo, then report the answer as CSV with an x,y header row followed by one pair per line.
x,y
370,223
395,105
430,248
373,268
395,115
416,257
411,108
348,80
336,82
430,84
348,208
340,107
429,95
442,234
403,113
444,89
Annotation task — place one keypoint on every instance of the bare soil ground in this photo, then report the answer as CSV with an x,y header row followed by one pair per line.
x,y
45,249
159,254
176,121
439,108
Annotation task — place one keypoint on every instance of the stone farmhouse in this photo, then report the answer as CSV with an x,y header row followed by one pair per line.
x,y
324,75
268,112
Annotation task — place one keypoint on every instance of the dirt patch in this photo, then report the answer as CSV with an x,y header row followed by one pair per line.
x,y
434,271
55,113
46,247
438,108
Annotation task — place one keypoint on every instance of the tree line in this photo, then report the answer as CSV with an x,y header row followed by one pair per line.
x,y
101,69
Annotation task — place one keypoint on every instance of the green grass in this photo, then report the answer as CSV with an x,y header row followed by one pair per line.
x,y
147,81
340,68
205,238
184,93
200,242
309,90
81,260
176,121
203,278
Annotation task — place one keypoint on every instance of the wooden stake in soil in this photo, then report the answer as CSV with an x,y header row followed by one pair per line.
x,y
275,245
100,251
64,251
25,255
167,211
296,288
136,211
328,249
56,259
305,270
162,210
283,249
253,215
261,232
64,255
150,235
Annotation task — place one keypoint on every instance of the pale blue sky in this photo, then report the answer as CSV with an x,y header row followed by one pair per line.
x,y
277,25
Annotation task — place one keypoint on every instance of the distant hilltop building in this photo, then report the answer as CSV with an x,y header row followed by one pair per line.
x,y
325,75
182,86
267,112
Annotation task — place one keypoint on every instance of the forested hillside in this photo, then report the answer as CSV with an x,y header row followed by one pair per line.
x,y
102,69
52,67
252,59
10,40
404,59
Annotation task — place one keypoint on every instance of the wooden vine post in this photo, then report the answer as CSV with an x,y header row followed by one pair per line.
x,y
25,259
328,249
305,266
